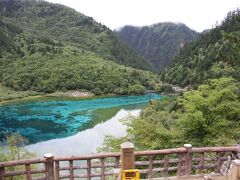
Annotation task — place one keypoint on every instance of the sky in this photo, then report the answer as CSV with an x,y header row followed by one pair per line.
x,y
197,14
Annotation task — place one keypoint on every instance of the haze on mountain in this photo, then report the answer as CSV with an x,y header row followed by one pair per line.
x,y
198,15
158,43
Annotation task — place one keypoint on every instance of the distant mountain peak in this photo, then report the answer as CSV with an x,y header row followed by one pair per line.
x,y
158,43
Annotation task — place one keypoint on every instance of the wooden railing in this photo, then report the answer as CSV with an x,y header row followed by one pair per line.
x,y
156,163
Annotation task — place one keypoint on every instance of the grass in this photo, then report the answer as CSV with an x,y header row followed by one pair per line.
x,y
7,94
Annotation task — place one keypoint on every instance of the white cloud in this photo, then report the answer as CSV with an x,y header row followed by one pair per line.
x,y
198,15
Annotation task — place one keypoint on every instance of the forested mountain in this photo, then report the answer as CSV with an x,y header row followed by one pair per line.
x,y
46,47
215,54
158,43
65,24
207,115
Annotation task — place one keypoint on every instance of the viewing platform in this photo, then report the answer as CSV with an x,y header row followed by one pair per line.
x,y
184,163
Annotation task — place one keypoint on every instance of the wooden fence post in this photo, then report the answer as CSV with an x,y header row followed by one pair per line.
x,y
49,166
2,171
89,170
188,160
127,156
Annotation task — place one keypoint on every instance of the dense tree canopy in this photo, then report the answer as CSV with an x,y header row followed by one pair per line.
x,y
215,54
67,72
46,47
208,116
211,114
58,22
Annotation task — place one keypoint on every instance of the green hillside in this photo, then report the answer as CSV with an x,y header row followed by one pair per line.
x,y
64,24
207,115
158,43
38,57
215,54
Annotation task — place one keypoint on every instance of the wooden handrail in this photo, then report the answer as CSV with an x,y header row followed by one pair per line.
x,y
93,156
183,160
21,162
137,153
183,150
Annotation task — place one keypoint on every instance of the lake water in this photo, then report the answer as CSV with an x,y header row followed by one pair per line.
x,y
84,142
69,127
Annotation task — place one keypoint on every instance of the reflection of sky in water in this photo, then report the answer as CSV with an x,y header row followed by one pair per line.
x,y
44,120
84,142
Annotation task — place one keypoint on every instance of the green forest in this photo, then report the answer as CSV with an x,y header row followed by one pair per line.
x,y
215,54
61,23
47,47
206,115
75,53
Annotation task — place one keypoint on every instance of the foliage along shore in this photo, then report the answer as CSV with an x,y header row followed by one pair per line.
x,y
69,95
208,115
46,96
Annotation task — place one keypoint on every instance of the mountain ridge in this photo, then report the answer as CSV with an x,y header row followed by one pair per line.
x,y
42,54
158,43
215,54
62,23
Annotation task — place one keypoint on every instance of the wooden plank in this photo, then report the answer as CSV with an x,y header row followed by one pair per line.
x,y
21,162
180,164
37,171
14,173
102,169
57,170
2,173
28,172
201,164
206,166
117,162
71,170
39,178
183,150
165,167
146,163
218,162
49,166
94,156
197,159
162,169
139,153
89,169
188,160
150,167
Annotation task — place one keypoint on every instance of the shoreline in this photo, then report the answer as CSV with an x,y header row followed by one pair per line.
x,y
69,95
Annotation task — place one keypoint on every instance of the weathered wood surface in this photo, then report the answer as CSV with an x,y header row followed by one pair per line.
x,y
167,162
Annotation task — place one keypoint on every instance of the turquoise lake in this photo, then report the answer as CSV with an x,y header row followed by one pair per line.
x,y
44,120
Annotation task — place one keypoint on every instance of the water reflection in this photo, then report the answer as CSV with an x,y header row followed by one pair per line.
x,y
84,142
45,120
